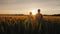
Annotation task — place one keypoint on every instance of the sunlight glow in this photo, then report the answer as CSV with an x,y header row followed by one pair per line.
x,y
34,12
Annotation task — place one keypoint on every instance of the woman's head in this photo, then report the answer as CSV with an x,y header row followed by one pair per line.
x,y
30,13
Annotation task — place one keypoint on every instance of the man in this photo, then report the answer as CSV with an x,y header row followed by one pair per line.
x,y
39,16
39,19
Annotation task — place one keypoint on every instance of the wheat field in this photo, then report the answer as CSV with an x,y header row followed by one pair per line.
x,y
16,25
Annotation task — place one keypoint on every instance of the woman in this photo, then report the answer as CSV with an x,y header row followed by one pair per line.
x,y
29,22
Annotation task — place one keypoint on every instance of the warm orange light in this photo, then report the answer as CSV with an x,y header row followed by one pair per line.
x,y
33,12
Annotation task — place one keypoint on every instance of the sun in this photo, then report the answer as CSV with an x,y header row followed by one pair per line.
x,y
34,12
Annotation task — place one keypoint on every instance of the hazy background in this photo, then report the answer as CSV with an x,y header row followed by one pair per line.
x,y
25,6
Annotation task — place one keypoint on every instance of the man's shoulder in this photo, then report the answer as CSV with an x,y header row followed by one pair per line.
x,y
38,14
41,14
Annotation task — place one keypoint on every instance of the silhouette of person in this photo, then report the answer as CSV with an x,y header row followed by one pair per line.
x,y
29,21
29,17
39,18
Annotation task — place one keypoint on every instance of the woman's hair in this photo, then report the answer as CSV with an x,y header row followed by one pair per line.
x,y
30,12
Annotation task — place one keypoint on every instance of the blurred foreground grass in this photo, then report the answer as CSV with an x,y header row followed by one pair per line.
x,y
16,25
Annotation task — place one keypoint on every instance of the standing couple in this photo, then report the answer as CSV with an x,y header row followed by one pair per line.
x,y
38,17
33,20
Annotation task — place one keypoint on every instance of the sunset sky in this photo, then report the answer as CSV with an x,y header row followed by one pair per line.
x,y
25,6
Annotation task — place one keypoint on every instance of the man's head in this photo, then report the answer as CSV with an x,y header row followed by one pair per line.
x,y
38,10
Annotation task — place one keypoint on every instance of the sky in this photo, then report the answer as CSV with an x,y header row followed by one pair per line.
x,y
25,6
